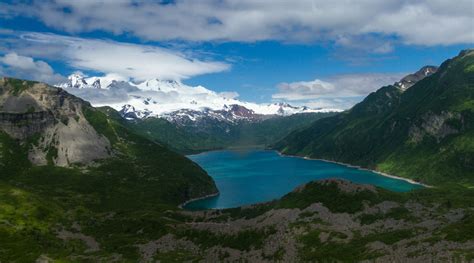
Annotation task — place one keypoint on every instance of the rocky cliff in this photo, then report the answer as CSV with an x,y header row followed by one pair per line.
x,y
52,121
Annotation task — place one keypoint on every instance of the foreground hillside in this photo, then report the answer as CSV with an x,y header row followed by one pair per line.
x,y
328,221
425,132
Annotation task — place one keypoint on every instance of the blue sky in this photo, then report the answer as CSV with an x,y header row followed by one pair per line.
x,y
319,53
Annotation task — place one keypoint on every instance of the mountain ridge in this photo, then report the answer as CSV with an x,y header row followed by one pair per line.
x,y
398,130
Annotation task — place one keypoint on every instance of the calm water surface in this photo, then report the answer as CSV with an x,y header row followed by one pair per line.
x,y
247,177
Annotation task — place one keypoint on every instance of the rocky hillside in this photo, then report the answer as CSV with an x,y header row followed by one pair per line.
x,y
331,220
424,131
328,221
54,119
43,128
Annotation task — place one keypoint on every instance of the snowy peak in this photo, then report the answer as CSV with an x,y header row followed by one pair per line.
x,y
160,85
96,84
130,113
410,80
231,114
170,99
78,81
240,111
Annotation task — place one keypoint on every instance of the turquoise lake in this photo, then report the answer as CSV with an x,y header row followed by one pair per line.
x,y
254,176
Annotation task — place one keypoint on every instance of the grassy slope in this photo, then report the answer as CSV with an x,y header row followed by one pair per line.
x,y
375,133
111,202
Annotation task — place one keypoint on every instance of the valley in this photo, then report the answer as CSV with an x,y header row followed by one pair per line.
x,y
86,184
250,176
223,131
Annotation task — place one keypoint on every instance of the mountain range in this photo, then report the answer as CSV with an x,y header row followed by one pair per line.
x,y
172,100
88,184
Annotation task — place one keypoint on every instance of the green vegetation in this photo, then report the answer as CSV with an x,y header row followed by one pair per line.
x,y
333,198
425,133
460,231
354,250
216,135
101,123
244,240
176,256
17,86
397,213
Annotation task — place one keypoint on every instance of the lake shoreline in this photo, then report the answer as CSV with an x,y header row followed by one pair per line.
x,y
181,206
359,168
399,184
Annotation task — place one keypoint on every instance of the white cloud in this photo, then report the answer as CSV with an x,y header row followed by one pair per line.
x,y
302,90
425,22
138,62
333,103
27,68
229,94
341,91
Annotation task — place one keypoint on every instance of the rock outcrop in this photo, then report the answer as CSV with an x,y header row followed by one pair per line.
x,y
51,122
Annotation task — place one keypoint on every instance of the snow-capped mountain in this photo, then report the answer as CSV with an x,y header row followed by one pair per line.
x,y
130,113
231,114
76,81
80,81
171,99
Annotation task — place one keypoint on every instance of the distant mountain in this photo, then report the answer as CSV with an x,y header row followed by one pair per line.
x,y
421,127
172,100
195,131
43,128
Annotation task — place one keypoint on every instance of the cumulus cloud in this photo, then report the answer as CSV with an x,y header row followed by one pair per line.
x,y
341,91
304,90
132,61
332,103
24,67
135,61
425,22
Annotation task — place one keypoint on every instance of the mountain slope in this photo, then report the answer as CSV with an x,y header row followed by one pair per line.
x,y
78,185
48,128
425,132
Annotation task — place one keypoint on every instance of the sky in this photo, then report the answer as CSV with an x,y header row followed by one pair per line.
x,y
306,52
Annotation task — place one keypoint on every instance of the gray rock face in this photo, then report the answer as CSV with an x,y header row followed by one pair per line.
x,y
55,120
23,125
436,125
